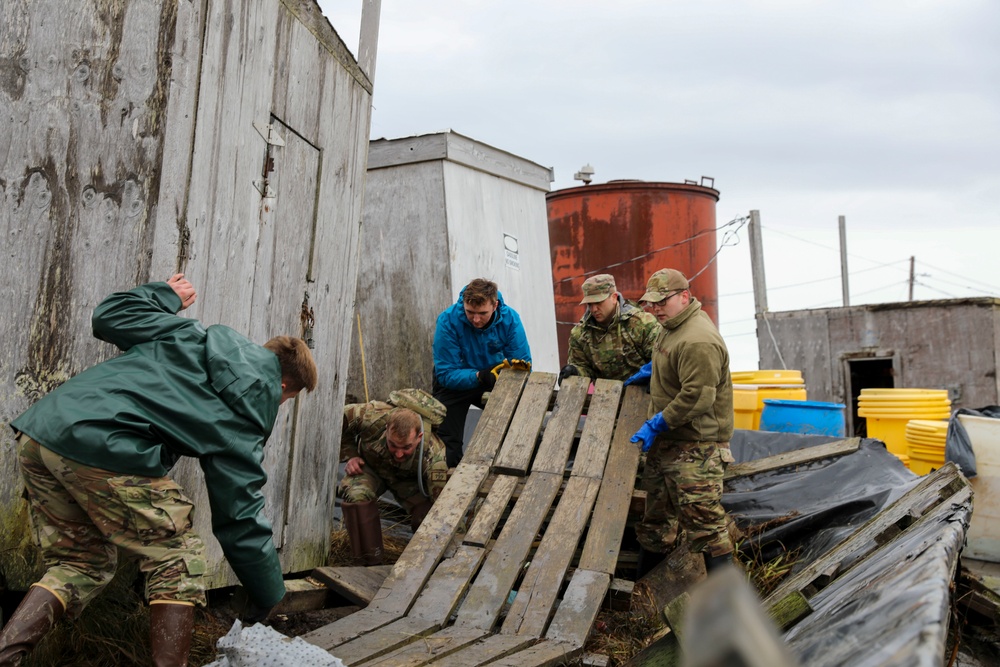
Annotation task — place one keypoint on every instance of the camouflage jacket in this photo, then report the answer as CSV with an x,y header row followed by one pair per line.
x,y
615,352
363,434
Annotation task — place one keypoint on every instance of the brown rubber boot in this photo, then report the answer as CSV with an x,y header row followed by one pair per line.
x,y
419,507
364,528
37,613
170,628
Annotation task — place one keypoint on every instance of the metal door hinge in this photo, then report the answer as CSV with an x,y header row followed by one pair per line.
x,y
270,135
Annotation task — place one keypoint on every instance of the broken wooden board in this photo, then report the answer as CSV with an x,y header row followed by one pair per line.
x,y
880,529
357,584
793,458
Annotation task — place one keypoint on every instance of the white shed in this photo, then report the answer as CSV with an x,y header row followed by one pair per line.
x,y
224,139
441,209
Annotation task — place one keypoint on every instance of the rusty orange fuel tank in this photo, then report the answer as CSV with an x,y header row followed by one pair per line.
x,y
630,229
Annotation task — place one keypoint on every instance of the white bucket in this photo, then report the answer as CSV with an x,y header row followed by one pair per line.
x,y
983,539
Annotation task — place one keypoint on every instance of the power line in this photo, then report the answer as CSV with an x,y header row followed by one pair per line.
x,y
817,280
827,247
730,233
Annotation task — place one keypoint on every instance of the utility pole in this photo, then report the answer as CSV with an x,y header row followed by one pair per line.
x,y
842,223
912,276
757,265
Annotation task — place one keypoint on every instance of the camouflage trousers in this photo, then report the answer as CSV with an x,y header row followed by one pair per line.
x,y
370,486
683,484
83,515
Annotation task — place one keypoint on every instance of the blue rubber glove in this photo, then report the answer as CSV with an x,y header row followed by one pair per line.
x,y
641,376
647,432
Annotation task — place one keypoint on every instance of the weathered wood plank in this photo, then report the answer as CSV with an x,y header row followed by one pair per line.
x,y
600,552
349,627
519,445
793,458
485,651
496,418
488,514
389,637
562,426
928,493
546,653
579,607
448,584
540,586
357,584
429,649
725,624
425,549
490,589
592,452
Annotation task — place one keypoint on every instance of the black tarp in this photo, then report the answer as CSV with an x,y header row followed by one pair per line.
x,y
815,506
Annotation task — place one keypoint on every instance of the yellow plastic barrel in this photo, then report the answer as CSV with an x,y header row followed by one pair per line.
x,y
887,411
925,440
748,401
767,377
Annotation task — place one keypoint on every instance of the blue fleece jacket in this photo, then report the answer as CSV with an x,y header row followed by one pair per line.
x,y
461,350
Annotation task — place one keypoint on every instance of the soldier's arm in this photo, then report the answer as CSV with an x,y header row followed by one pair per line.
x,y
354,417
435,467
140,315
577,355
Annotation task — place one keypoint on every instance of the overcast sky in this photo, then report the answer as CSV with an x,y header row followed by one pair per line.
x,y
885,112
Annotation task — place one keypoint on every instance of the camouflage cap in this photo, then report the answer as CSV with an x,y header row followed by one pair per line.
x,y
598,288
662,283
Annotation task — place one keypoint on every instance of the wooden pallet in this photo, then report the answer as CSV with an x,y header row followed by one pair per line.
x,y
499,593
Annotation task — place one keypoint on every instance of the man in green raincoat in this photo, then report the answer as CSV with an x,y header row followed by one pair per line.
x,y
95,454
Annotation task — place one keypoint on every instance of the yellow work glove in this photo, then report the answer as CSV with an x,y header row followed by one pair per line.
x,y
520,365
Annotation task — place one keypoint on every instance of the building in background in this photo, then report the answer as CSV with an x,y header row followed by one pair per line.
x,y
951,344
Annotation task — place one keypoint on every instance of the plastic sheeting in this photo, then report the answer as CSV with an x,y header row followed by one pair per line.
x,y
261,646
815,506
958,447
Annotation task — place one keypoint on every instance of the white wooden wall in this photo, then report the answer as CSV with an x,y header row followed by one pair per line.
x,y
135,154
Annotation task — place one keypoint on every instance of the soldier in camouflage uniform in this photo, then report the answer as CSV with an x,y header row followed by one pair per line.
x,y
687,435
613,339
387,447
95,454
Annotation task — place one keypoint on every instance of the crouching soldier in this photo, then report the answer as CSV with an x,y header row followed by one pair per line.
x,y
389,446
95,452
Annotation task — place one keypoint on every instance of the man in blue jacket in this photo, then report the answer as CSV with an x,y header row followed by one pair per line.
x,y
473,339
95,454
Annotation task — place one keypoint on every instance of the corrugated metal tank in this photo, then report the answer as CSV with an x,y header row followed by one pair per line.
x,y
630,229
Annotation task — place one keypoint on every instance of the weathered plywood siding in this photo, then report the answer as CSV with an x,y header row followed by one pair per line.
x,y
138,150
83,93
403,280
436,209
938,344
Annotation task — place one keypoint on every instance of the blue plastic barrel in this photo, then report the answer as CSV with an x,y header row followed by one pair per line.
x,y
807,417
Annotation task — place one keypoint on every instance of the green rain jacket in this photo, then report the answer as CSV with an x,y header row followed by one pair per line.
x,y
691,384
179,390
